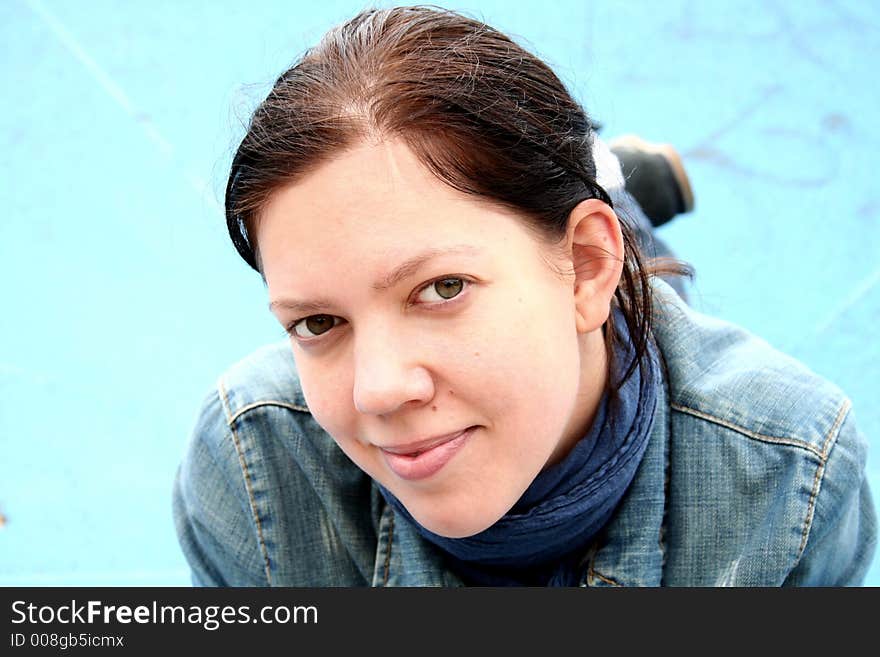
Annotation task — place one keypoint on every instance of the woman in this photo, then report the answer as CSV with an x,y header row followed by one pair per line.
x,y
484,382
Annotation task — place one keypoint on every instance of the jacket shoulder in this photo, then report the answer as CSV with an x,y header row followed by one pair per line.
x,y
266,376
766,474
221,521
724,374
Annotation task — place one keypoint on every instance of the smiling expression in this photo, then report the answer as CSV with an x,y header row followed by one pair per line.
x,y
434,341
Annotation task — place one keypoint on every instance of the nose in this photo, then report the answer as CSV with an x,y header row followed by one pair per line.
x,y
387,376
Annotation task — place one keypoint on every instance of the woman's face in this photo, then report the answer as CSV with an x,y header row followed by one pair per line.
x,y
433,339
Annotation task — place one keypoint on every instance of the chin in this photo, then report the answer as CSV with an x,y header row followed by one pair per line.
x,y
457,526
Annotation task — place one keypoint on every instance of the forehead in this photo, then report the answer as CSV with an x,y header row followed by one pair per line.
x,y
370,206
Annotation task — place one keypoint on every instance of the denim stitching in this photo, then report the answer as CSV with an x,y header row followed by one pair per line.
x,y
667,476
267,402
594,574
820,473
247,480
832,434
791,442
388,553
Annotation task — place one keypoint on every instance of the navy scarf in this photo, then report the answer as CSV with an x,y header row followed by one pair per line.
x,y
541,540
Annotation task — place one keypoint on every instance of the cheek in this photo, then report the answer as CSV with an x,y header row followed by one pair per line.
x,y
328,395
536,328
525,354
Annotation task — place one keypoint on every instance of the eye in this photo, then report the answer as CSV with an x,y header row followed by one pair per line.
x,y
441,290
313,325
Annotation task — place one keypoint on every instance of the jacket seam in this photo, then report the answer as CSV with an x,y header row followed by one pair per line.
x,y
776,440
293,407
252,502
667,461
820,474
387,572
267,402
595,574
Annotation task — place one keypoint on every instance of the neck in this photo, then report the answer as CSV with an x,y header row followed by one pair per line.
x,y
591,386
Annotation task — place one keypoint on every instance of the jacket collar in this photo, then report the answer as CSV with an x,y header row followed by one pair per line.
x,y
404,558
630,550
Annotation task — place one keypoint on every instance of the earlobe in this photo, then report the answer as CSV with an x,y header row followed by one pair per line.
x,y
597,253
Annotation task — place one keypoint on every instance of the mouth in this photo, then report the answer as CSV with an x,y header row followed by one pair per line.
x,y
422,459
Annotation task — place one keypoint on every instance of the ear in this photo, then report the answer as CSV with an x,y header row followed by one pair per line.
x,y
596,251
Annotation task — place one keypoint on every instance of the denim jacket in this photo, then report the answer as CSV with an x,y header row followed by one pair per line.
x,y
754,476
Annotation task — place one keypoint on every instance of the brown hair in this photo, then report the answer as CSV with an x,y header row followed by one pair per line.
x,y
481,113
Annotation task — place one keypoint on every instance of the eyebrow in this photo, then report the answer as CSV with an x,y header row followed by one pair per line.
x,y
404,270
411,265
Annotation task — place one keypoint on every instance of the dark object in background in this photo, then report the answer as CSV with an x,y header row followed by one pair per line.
x,y
654,174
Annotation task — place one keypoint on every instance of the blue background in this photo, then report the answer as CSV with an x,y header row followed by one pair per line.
x,y
124,298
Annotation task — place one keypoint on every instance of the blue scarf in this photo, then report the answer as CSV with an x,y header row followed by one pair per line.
x,y
540,541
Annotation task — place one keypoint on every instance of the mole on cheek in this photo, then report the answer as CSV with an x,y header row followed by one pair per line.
x,y
433,408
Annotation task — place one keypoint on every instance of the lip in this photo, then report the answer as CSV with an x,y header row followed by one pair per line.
x,y
424,458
